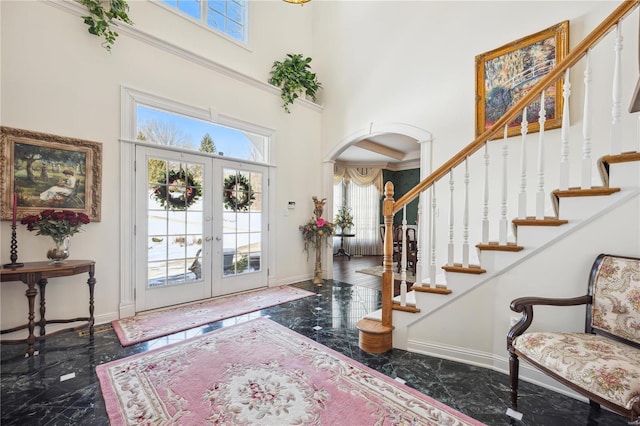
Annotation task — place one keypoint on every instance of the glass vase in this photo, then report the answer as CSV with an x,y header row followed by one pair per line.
x,y
59,250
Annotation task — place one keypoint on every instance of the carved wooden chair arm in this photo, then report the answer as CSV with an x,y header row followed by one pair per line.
x,y
525,306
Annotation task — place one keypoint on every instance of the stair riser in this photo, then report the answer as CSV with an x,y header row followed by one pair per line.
x,y
624,175
579,208
534,236
497,260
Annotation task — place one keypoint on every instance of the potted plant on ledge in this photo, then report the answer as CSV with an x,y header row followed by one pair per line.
x,y
294,77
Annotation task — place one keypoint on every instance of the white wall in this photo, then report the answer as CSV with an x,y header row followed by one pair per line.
x,y
379,61
56,78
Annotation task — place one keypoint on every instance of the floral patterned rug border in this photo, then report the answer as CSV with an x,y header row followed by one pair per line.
x,y
162,322
260,373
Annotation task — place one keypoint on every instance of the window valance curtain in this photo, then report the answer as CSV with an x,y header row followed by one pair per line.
x,y
363,176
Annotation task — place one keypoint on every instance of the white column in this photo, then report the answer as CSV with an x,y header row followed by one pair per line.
x,y
423,235
327,192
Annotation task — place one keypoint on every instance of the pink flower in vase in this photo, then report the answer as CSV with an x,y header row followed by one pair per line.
x,y
320,222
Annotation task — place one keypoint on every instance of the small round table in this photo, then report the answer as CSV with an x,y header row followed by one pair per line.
x,y
341,251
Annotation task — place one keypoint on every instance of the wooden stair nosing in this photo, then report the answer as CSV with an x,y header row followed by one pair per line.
x,y
436,289
372,326
472,269
625,157
587,192
532,221
495,246
398,307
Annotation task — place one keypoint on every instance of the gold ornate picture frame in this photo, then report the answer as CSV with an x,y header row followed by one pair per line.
x,y
504,75
36,167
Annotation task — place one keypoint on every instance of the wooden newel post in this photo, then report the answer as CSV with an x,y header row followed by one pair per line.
x,y
377,336
387,262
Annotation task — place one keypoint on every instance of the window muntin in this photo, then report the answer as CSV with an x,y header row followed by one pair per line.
x,y
226,16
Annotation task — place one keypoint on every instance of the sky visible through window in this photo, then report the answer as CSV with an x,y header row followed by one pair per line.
x,y
230,142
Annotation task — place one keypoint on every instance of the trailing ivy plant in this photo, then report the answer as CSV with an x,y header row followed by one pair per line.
x,y
100,19
293,76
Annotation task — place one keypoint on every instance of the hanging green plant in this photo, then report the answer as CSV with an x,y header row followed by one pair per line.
x,y
293,76
238,194
177,182
100,19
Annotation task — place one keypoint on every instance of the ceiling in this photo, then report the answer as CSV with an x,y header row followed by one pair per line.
x,y
391,149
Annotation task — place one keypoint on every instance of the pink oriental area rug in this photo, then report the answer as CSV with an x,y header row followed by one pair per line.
x,y
162,322
260,373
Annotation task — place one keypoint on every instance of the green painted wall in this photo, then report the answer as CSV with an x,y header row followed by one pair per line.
x,y
402,181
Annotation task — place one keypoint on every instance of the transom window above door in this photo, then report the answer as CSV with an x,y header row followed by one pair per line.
x,y
226,16
179,131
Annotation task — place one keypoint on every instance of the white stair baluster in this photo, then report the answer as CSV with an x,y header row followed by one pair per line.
x,y
451,219
403,270
502,240
585,182
485,197
522,196
540,195
432,264
465,220
615,142
564,147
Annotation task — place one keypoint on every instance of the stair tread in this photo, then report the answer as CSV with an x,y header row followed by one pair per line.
x,y
471,269
408,308
436,289
372,326
625,157
499,247
585,192
532,221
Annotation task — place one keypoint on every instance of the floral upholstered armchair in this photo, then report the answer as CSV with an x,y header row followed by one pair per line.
x,y
603,363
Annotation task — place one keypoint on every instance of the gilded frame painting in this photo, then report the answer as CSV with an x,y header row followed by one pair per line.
x,y
49,172
504,75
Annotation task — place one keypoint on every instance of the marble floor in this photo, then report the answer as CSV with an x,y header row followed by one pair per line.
x,y
33,393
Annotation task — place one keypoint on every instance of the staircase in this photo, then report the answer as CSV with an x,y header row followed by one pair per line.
x,y
466,281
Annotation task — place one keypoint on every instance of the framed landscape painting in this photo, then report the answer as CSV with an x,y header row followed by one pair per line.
x,y
49,172
506,74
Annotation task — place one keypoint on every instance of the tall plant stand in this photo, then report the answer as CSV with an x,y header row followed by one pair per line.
x,y
317,275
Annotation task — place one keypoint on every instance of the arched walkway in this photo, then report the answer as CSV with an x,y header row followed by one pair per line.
x,y
374,129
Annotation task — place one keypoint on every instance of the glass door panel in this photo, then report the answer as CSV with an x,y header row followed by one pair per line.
x,y
242,227
173,228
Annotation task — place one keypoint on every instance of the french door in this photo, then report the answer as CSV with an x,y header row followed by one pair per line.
x,y
200,227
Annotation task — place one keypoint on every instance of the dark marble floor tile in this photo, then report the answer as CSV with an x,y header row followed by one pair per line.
x,y
32,393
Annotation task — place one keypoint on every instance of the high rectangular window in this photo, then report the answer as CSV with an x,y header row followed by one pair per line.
x,y
227,16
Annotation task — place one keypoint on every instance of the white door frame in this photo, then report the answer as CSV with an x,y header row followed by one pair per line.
x,y
129,99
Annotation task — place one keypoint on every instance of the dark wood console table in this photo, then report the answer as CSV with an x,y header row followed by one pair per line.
x,y
33,273
341,251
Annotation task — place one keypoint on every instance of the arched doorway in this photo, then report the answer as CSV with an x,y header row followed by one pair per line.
x,y
397,142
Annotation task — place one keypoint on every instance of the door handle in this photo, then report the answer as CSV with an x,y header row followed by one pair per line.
x,y
208,238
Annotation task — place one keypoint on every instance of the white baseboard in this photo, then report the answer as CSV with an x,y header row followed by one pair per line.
x,y
496,363
106,318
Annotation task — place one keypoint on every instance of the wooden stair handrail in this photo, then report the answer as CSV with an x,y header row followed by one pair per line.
x,y
554,75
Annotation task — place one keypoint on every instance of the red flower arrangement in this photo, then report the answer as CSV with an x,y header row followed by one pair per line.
x,y
56,224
